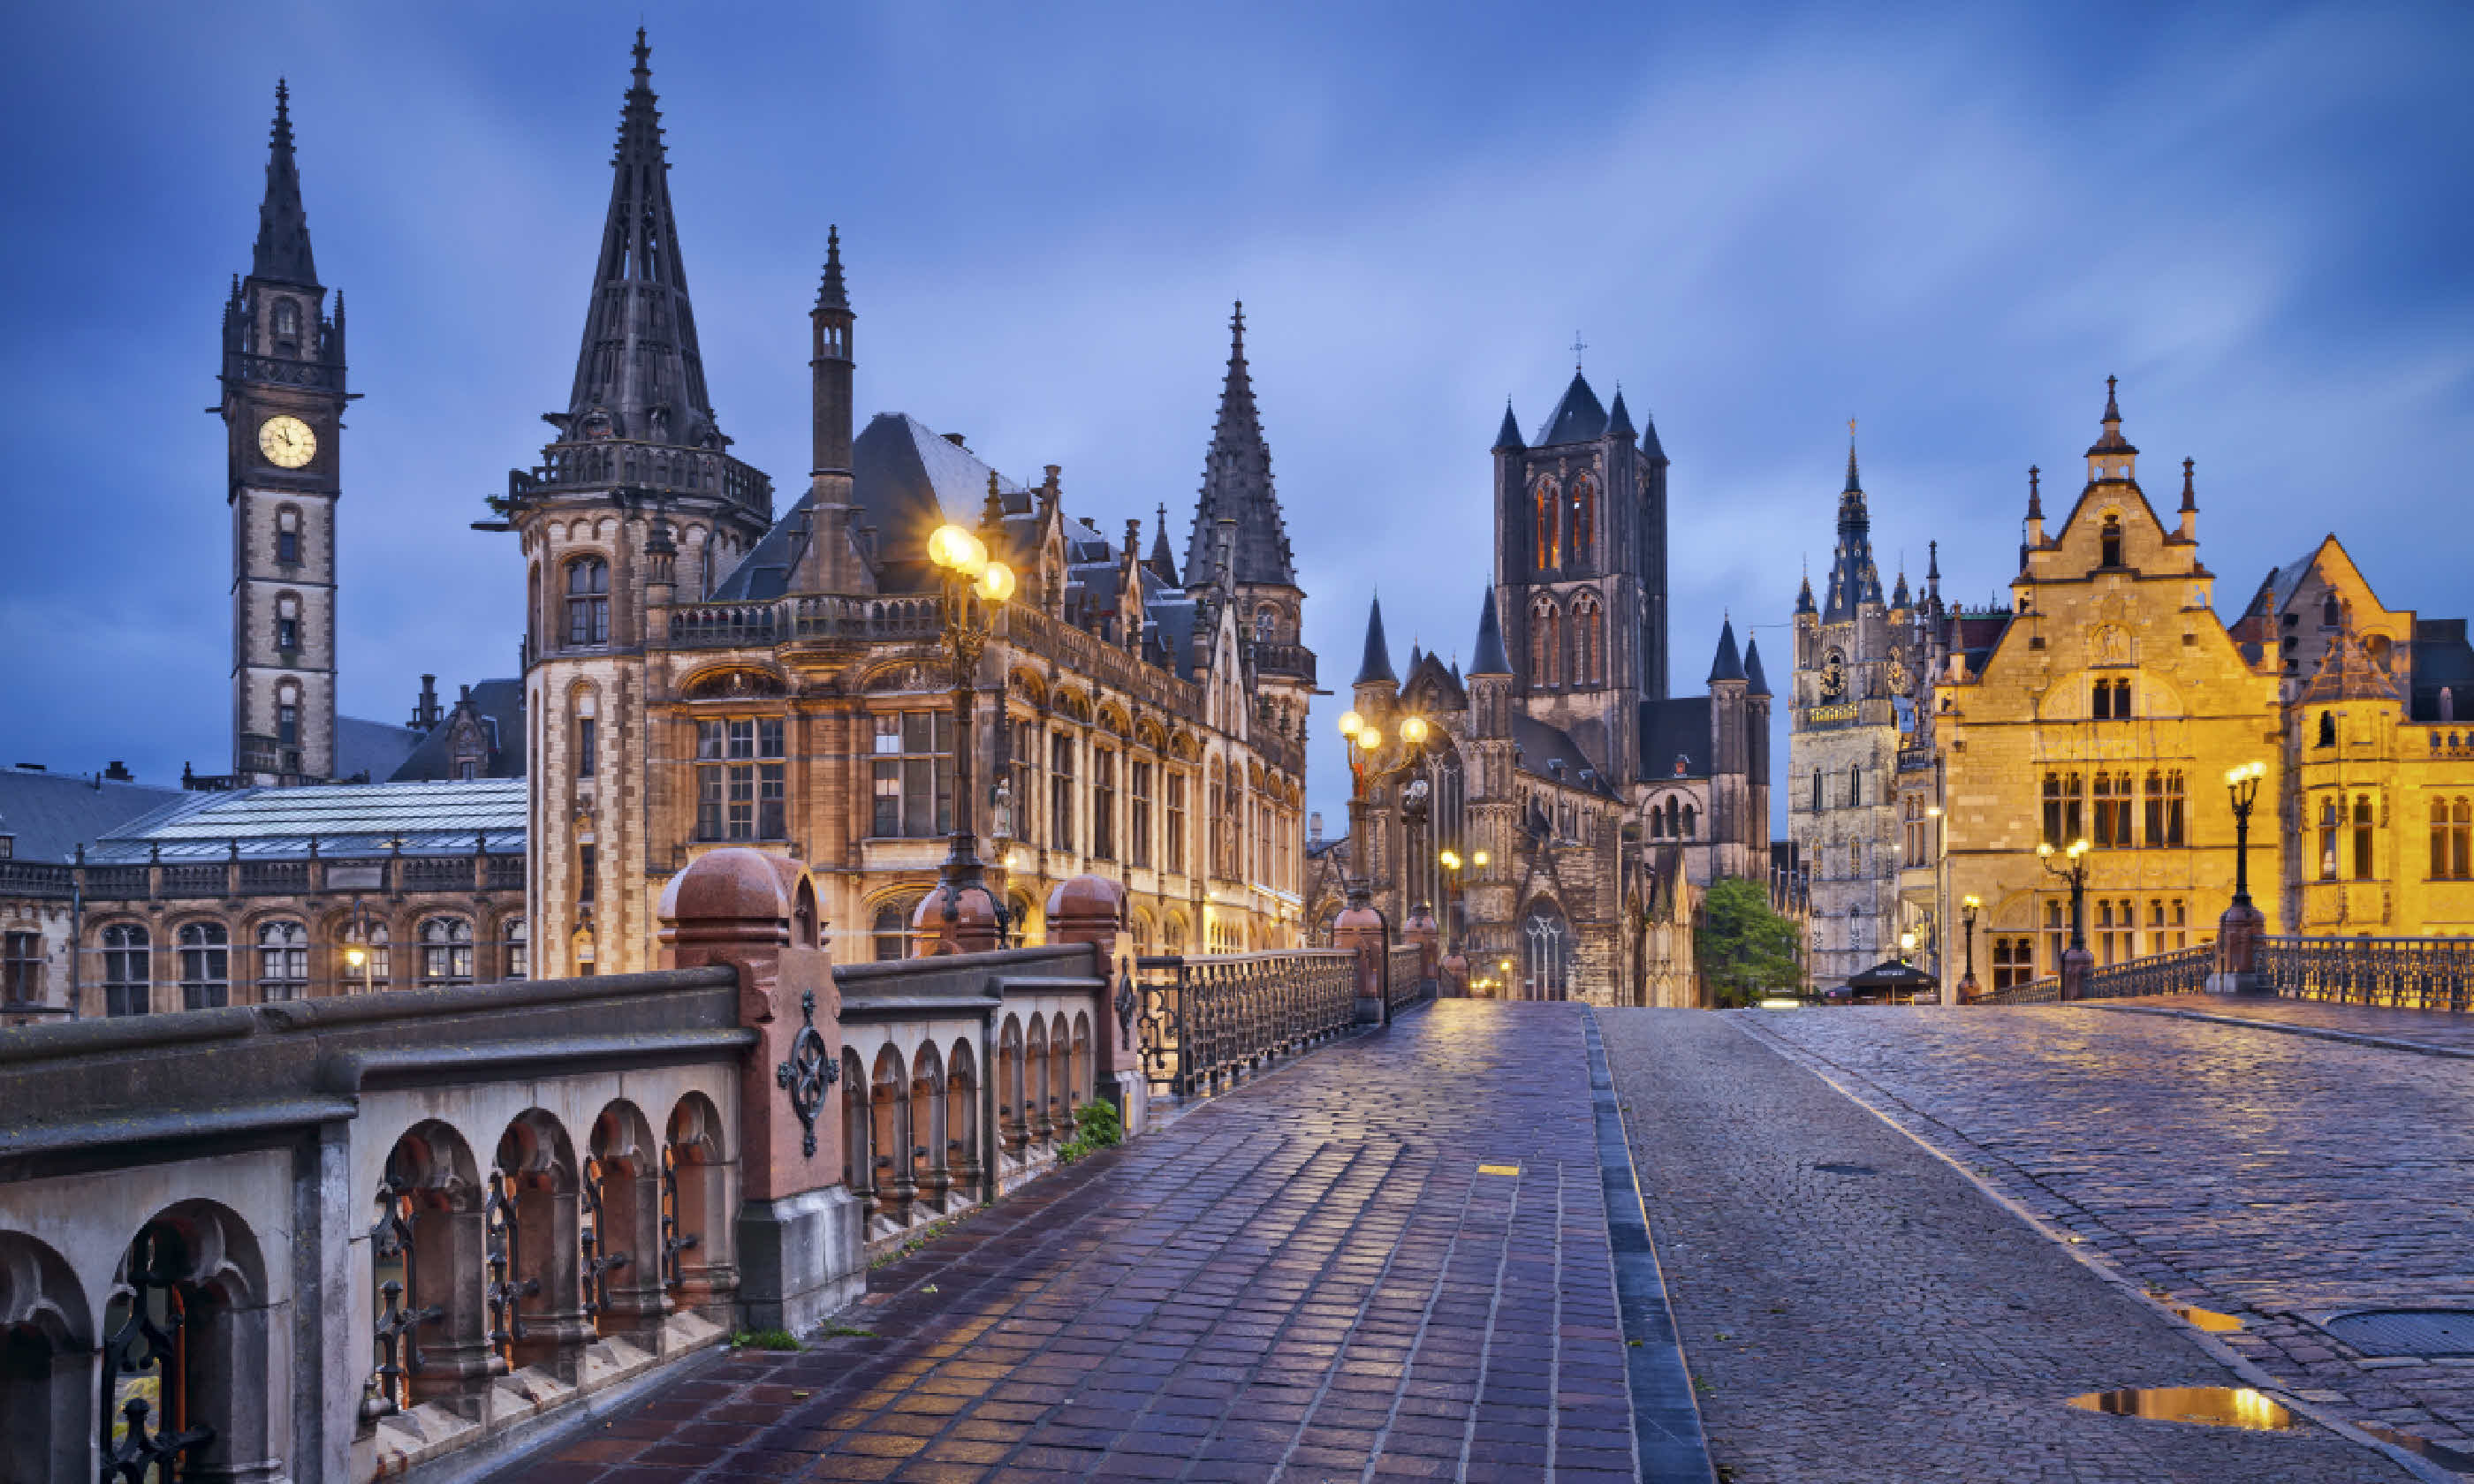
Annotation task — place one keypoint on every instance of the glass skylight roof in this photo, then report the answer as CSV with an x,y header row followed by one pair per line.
x,y
345,819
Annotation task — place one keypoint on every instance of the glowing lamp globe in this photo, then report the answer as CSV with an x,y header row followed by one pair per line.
x,y
1352,724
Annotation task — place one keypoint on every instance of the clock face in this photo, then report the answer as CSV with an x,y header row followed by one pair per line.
x,y
287,442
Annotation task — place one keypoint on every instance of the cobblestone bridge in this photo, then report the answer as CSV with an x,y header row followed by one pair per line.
x,y
1892,1243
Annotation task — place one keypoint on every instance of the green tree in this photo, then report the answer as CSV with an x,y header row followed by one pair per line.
x,y
1743,947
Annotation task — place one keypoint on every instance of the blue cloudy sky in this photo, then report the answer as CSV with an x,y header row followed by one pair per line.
x,y
1950,222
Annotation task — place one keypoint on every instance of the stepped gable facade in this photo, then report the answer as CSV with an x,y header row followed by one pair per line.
x,y
703,672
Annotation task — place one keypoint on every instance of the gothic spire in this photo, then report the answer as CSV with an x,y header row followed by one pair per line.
x,y
2035,493
1237,481
1804,594
831,293
1491,659
282,251
1755,682
1376,667
2189,496
639,367
1618,419
1726,665
1853,578
1162,564
1507,439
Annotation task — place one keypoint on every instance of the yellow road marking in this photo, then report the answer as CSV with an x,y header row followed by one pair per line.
x,y
1498,1169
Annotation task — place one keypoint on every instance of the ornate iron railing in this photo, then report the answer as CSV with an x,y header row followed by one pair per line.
x,y
1404,980
2035,991
2181,972
1205,1023
2406,974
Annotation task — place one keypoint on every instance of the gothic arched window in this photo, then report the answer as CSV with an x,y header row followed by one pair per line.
x,y
127,970
1546,545
587,601
283,961
447,951
1589,643
2112,536
1546,644
287,327
1583,529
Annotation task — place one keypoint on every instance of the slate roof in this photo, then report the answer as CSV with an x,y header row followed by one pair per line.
x,y
347,820
2442,656
1672,728
500,704
1577,418
1491,659
1542,744
375,749
1726,665
1237,484
1376,665
51,814
1759,682
906,478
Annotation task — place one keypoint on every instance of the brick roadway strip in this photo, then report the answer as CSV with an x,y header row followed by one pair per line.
x,y
1856,1309
1306,1280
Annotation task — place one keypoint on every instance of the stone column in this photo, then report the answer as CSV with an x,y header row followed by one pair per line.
x,y
797,1240
1091,909
2076,964
1362,929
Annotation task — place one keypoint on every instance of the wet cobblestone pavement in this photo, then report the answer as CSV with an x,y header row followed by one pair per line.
x,y
2279,1178
2435,1029
1306,1280
1854,1310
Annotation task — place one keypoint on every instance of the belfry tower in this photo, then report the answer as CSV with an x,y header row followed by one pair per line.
x,y
282,409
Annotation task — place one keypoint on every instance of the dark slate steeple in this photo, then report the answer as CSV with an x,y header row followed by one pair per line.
x,y
1728,664
1804,594
1756,684
1237,481
1618,420
639,367
1853,580
282,251
1162,563
1577,418
1491,659
1507,439
1376,667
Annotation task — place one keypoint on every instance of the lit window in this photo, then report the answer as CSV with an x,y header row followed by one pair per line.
x,y
282,962
445,951
914,775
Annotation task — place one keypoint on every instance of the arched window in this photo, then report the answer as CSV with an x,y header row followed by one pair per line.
x,y
1546,644
283,961
520,960
286,325
1691,827
2461,839
889,931
1546,954
127,970
375,970
588,602
2330,613
287,623
1855,785
445,951
206,967
1588,644
1583,529
2111,535
1546,542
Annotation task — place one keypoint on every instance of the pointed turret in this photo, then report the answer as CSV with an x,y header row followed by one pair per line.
x,y
1618,419
1729,663
1577,418
1899,590
282,251
1237,481
1491,659
1853,580
1932,575
1507,438
1415,654
1162,563
639,374
1755,682
1376,667
1804,594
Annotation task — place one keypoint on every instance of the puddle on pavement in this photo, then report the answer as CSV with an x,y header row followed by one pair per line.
x,y
2453,1459
2216,1406
2207,1319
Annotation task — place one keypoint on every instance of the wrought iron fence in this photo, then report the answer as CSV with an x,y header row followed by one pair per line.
x,y
1207,1022
2035,991
2408,974
1404,980
2182,971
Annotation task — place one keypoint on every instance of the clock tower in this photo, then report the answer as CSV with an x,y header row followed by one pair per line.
x,y
283,408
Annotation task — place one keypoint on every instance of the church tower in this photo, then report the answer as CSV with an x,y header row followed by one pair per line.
x,y
283,408
636,504
1580,543
1237,488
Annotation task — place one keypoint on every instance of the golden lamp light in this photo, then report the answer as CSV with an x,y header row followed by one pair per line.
x,y
356,955
1352,724
1451,860
2249,771
1413,731
957,550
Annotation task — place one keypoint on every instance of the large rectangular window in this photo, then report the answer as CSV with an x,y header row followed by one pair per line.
x,y
739,779
588,872
1139,813
2014,960
911,780
2065,796
1176,856
1061,791
2165,807
2363,858
21,969
1103,806
1022,767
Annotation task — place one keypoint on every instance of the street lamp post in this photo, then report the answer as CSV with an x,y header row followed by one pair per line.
x,y
2243,930
2076,961
1967,910
1362,926
963,914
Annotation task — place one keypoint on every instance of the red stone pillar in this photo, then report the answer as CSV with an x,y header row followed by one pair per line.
x,y
1454,975
2241,935
1421,929
798,1238
955,918
1092,909
1363,931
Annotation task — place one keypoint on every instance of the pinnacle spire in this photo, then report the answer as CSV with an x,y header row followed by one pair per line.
x,y
1852,487
2189,496
1853,578
1162,563
1620,420
831,294
1728,664
2035,494
1376,667
1507,439
1755,682
282,251
1491,659
1237,480
639,367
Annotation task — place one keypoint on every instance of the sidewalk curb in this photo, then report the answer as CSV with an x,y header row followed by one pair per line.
x,y
2208,1344
1665,1415
2284,1028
